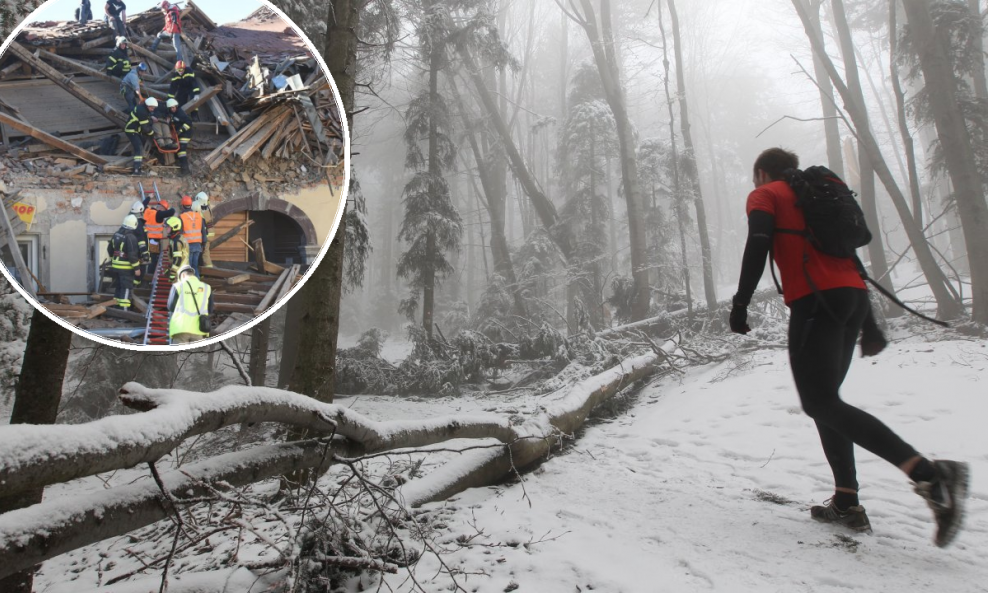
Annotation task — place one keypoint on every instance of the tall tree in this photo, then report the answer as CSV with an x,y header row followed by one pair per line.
x,y
866,171
948,307
319,320
831,127
431,225
36,400
603,46
900,110
933,46
689,165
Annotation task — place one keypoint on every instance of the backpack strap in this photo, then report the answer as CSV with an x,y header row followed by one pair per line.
x,y
892,297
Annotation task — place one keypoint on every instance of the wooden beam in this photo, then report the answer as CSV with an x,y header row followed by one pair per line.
x,y
99,105
248,148
51,140
203,99
215,272
270,298
237,279
229,234
242,299
98,41
151,56
126,315
78,67
232,308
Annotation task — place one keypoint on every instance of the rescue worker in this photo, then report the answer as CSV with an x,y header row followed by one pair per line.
x,y
84,13
202,201
125,260
172,29
183,86
137,209
154,225
179,246
161,123
118,62
116,14
138,126
177,117
192,231
189,299
130,86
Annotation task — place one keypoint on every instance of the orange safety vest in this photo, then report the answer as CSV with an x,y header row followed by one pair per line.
x,y
155,230
192,226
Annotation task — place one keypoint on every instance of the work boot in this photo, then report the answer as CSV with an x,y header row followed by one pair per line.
x,y
186,170
137,169
853,518
945,494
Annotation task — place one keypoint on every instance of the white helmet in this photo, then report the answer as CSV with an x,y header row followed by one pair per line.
x,y
137,208
202,197
151,102
171,103
130,222
121,41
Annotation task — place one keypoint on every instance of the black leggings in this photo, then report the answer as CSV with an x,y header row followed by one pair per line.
x,y
821,346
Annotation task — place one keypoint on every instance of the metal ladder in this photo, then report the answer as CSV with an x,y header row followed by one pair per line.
x,y
156,331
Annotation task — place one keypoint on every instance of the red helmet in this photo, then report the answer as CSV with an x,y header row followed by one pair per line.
x,y
166,5
186,201
163,204
179,65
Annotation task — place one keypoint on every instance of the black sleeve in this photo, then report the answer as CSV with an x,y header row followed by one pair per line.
x,y
761,226
164,215
211,306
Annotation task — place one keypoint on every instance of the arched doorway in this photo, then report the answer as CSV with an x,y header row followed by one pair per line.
x,y
288,235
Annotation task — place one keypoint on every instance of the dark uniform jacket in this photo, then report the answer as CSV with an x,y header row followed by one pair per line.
x,y
140,121
123,250
183,86
118,63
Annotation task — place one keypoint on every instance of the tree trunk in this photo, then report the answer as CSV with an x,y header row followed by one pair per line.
x,y
866,171
978,74
900,109
948,307
259,339
955,142
689,163
315,367
677,185
543,207
602,44
36,399
831,126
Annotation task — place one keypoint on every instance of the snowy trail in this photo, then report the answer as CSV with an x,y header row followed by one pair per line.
x,y
705,485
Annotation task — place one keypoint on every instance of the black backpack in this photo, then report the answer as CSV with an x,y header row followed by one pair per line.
x,y
835,223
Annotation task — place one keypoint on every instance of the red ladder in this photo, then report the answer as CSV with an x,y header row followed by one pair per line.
x,y
156,331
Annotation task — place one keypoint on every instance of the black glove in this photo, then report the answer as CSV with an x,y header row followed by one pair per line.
x,y
739,317
872,339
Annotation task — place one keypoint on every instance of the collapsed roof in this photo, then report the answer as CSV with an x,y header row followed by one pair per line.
x,y
263,94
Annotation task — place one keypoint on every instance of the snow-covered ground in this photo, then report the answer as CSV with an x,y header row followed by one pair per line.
x,y
705,484
702,483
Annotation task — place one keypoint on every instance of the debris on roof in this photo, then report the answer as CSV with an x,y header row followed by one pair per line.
x,y
262,96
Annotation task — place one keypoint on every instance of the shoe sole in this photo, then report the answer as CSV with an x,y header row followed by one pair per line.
x,y
960,497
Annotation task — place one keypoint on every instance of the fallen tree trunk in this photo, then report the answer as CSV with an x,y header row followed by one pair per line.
x,y
40,532
37,456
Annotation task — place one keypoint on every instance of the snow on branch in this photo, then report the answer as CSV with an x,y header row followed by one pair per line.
x,y
42,531
36,456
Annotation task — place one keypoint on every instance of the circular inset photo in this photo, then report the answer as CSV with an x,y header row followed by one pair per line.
x,y
169,171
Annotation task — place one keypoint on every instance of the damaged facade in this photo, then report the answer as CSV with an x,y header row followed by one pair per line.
x,y
266,138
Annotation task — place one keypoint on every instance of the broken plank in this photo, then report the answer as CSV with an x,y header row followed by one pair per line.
x,y
97,42
242,299
215,272
203,99
51,140
232,308
247,149
126,315
229,234
99,105
78,67
149,55
270,298
237,279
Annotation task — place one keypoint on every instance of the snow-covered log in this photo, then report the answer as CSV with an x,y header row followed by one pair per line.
x,y
34,534
36,456
533,440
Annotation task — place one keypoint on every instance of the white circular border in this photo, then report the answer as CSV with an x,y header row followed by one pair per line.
x,y
275,306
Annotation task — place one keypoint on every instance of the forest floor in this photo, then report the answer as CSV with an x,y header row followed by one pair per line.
x,y
701,481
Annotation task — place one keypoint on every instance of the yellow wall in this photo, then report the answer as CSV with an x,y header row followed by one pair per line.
x,y
321,204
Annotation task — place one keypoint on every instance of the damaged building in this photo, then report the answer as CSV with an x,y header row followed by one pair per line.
x,y
267,146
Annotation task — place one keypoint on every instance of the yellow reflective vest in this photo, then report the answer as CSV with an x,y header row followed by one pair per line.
x,y
186,295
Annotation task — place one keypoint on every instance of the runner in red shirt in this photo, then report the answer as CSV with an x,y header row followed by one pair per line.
x,y
824,325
